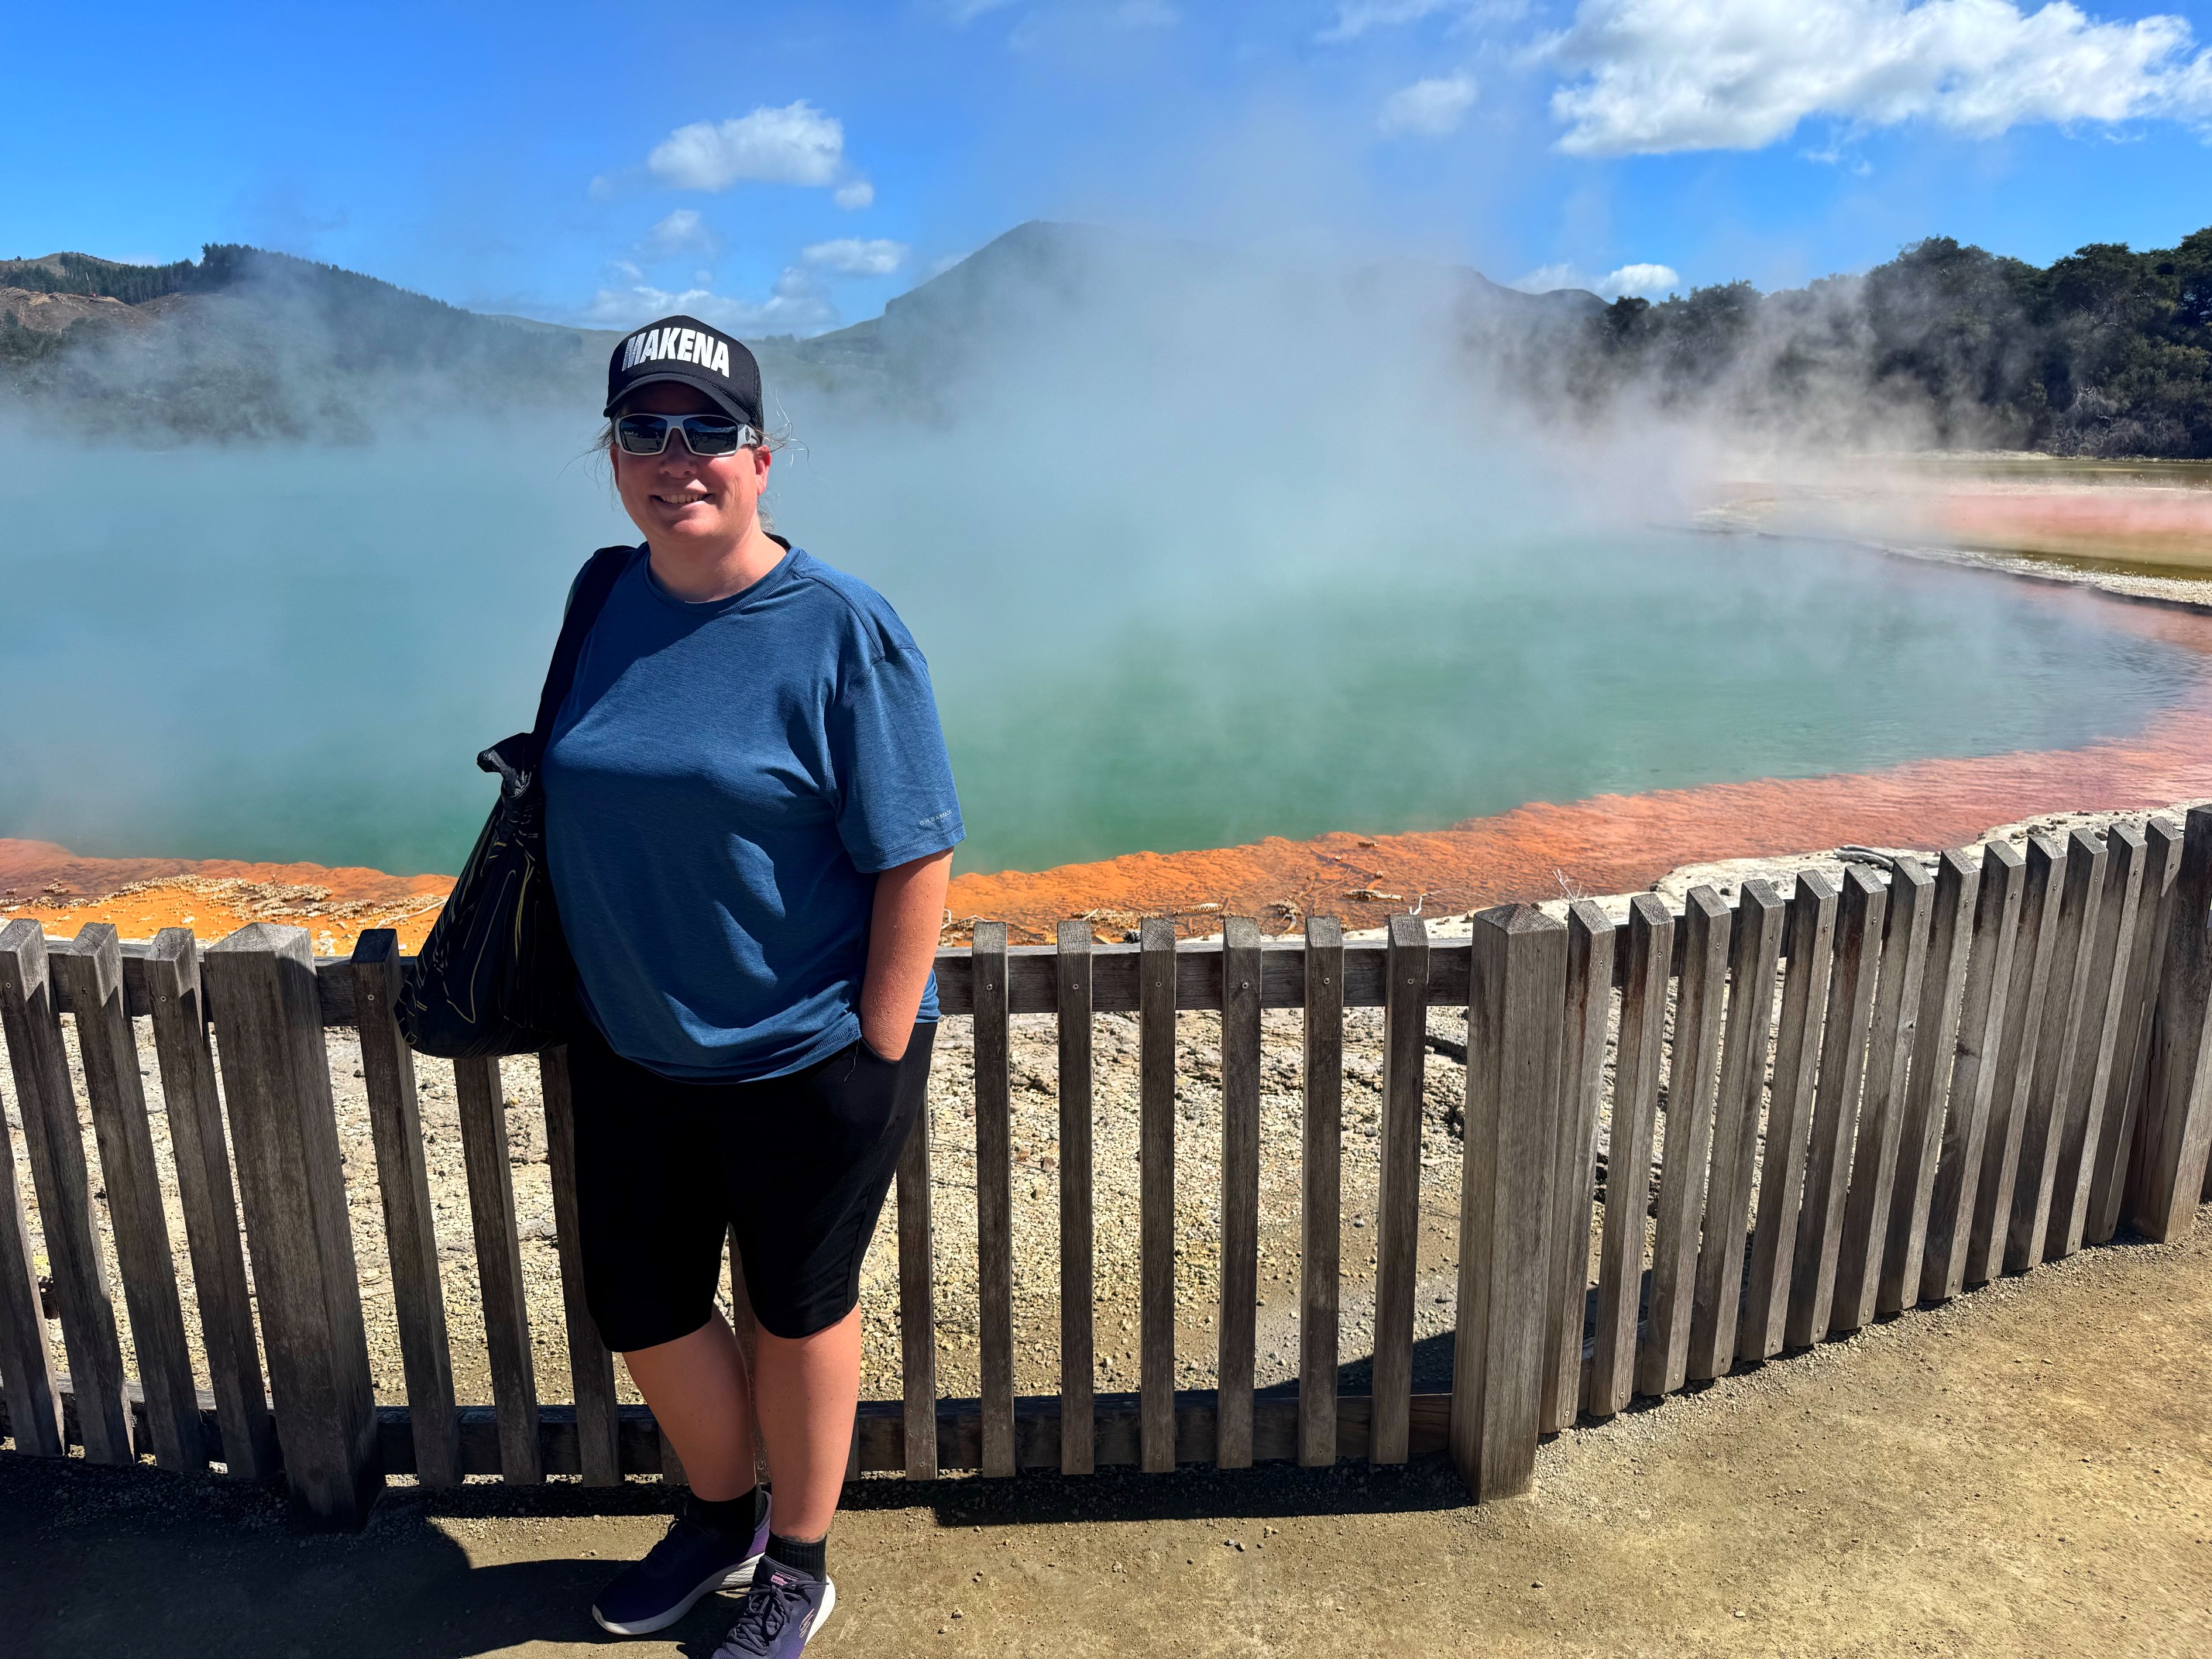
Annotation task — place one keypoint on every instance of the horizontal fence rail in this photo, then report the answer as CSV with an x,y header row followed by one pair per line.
x,y
1976,1068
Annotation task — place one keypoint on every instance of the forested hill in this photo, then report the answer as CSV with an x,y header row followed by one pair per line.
x,y
2107,351
243,343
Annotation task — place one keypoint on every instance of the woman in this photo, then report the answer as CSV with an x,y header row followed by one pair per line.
x,y
749,822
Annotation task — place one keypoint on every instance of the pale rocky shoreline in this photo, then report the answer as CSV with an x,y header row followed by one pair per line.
x,y
1034,1186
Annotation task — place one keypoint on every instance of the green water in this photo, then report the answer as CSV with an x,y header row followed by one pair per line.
x,y
293,654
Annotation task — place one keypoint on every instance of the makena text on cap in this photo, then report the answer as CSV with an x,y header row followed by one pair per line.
x,y
686,345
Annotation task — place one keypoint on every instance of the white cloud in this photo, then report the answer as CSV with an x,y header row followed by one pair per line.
x,y
1429,108
681,232
1544,278
961,13
1653,281
1356,17
796,144
1658,75
797,305
854,193
852,256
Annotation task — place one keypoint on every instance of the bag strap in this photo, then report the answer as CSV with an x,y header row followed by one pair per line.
x,y
592,586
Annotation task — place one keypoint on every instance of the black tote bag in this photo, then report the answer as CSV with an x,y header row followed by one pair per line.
x,y
495,976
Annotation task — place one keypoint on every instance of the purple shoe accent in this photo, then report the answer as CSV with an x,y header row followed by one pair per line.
x,y
783,1610
690,1562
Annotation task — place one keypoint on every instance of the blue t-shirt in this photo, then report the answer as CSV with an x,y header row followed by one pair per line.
x,y
722,785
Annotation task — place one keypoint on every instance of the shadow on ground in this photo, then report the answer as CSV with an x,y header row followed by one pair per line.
x,y
128,1562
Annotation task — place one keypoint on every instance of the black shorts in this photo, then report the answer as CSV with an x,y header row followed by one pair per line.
x,y
795,1167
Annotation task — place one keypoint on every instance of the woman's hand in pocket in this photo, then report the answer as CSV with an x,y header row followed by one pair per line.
x,y
887,1046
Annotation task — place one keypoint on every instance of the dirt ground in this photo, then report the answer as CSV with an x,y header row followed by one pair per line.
x,y
2028,1470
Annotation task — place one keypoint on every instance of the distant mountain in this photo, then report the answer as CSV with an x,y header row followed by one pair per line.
x,y
243,343
2104,352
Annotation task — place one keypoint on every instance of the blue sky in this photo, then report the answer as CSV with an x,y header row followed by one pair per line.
x,y
789,168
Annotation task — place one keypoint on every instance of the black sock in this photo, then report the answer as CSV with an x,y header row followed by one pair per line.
x,y
737,1516
813,1559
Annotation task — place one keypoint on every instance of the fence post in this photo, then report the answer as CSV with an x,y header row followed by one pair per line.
x,y
2167,1179
1156,1131
2118,919
481,1099
1321,1173
208,1199
1581,1090
1662,1360
1398,1195
276,1081
1973,1071
1753,956
591,1366
1078,1411
1235,1342
1628,1153
995,1202
917,1303
90,970
2131,1055
26,1362
59,1178
1516,1018
403,1177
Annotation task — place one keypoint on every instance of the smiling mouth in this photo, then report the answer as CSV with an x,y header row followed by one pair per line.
x,y
681,500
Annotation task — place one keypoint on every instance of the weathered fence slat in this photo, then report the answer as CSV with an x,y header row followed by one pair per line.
x,y
2032,948
62,1183
1927,1090
1755,953
1811,935
1843,1043
27,1380
1973,1073
591,1365
481,1099
1889,1048
1237,1337
402,1179
1590,937
2167,1176
917,1274
2104,992
1663,1357
1628,1153
1077,1449
1156,1060
92,969
291,1179
994,1199
2043,1130
1398,1202
2132,1056
209,1203
1320,1211
1517,985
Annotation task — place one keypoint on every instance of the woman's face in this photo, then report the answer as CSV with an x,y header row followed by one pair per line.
x,y
706,503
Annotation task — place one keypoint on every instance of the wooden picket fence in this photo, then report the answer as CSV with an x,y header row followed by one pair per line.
x,y
1876,1094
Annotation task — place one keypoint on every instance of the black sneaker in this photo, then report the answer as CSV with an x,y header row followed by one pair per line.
x,y
691,1561
784,1609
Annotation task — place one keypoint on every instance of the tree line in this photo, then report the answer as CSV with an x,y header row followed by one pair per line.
x,y
2104,352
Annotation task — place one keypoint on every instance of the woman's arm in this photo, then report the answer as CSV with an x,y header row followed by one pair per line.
x,y
901,950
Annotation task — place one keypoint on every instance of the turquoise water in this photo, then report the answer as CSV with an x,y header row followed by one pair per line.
x,y
293,653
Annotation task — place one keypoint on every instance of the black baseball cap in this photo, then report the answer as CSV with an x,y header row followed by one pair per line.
x,y
684,349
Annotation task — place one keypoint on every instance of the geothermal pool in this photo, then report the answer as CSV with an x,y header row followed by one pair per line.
x,y
292,654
